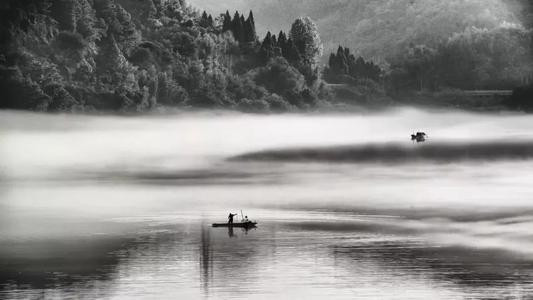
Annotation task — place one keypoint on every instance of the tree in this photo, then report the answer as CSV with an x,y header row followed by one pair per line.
x,y
344,67
206,21
267,48
304,34
292,54
203,19
282,42
249,28
279,77
237,27
226,22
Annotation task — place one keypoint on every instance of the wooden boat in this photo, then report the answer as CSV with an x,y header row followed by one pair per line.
x,y
249,224
419,137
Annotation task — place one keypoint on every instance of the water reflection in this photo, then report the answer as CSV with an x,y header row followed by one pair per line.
x,y
193,260
87,213
475,273
49,268
206,258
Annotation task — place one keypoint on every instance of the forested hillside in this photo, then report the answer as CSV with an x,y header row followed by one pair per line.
x,y
131,55
383,28
139,55
418,44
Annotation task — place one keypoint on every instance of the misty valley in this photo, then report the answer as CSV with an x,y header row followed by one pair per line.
x,y
253,149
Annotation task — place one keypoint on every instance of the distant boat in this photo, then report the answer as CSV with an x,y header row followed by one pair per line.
x,y
419,137
248,224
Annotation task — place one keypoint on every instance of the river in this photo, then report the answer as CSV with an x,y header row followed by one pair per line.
x,y
118,207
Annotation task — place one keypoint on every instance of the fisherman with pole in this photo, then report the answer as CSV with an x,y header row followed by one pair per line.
x,y
230,218
244,223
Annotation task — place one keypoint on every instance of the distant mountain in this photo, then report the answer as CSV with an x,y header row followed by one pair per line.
x,y
383,28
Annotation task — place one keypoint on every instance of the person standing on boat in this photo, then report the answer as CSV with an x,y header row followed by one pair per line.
x,y
230,218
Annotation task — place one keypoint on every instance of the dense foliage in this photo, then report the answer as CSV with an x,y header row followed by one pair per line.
x,y
490,39
384,28
344,67
135,55
475,59
522,98
500,58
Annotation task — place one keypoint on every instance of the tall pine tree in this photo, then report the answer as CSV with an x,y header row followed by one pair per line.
x,y
226,22
237,27
250,33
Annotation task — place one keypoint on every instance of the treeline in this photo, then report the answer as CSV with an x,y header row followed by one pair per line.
x,y
243,29
522,98
131,55
137,55
499,58
475,59
344,67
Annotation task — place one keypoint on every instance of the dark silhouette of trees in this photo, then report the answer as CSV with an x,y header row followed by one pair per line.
x,y
226,22
130,55
475,59
522,98
267,48
243,29
344,67
249,29
206,21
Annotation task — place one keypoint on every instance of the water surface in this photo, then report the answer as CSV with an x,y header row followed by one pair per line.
x,y
120,207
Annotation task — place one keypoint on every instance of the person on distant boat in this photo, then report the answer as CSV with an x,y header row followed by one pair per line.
x,y
245,220
230,218
419,137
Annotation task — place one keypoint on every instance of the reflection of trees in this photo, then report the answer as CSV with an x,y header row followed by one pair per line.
x,y
468,268
205,258
67,266
226,257
99,266
227,261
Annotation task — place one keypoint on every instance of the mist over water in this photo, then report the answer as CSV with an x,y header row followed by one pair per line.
x,y
116,207
78,144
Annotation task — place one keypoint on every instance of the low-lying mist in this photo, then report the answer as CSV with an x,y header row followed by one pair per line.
x,y
35,145
467,186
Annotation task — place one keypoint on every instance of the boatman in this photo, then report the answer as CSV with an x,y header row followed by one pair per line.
x,y
230,218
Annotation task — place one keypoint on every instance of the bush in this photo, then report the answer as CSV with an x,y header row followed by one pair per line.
x,y
140,56
256,105
280,77
70,41
169,92
240,87
19,92
277,103
184,44
61,100
522,98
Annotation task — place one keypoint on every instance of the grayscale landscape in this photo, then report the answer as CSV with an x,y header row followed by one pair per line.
x,y
370,150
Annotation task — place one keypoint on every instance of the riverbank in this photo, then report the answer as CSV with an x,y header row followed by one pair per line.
x,y
478,100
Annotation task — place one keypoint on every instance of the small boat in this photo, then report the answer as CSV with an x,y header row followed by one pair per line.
x,y
419,137
248,224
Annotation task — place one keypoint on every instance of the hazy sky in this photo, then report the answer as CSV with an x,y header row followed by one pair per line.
x,y
372,27
275,22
